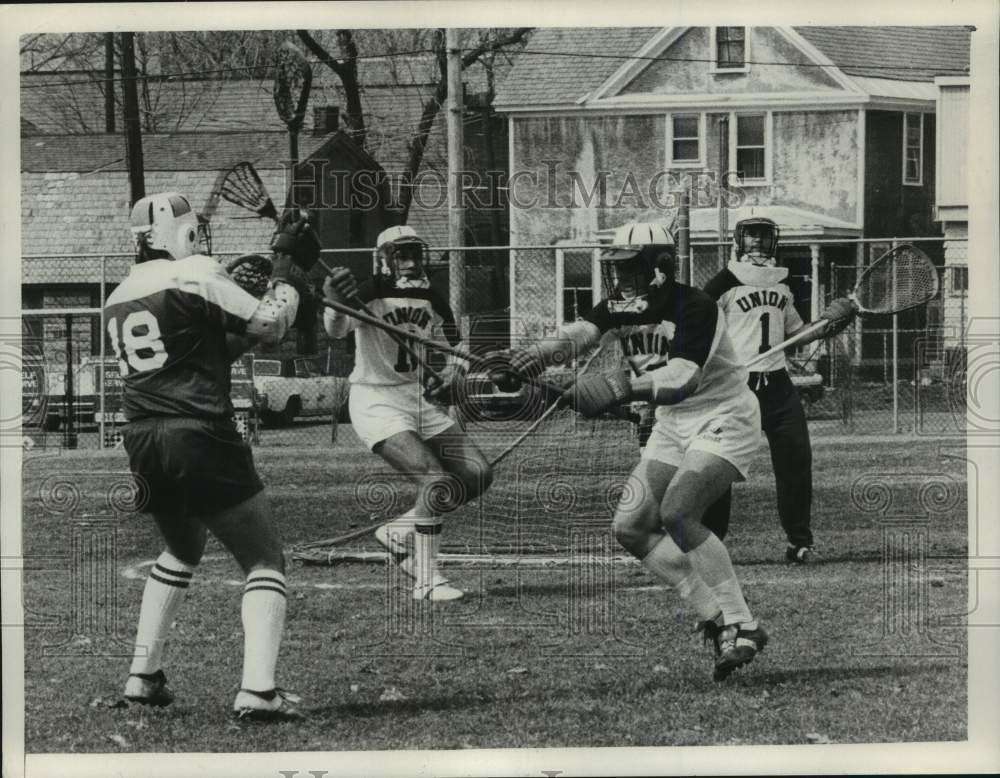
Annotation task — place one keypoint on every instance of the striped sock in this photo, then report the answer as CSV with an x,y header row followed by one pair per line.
x,y
668,563
426,542
263,613
166,586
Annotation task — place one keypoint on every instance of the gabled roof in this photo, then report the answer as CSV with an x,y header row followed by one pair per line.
x,y
393,93
596,53
68,213
900,53
563,66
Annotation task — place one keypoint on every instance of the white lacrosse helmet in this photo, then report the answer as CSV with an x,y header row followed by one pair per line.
x,y
765,249
642,256
165,223
402,242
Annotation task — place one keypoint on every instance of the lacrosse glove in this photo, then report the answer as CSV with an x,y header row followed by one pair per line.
x,y
526,362
443,388
594,393
341,286
295,237
251,273
839,313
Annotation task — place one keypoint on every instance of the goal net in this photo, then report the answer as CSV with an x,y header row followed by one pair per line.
x,y
552,497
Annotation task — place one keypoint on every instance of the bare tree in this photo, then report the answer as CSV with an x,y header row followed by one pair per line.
x,y
481,50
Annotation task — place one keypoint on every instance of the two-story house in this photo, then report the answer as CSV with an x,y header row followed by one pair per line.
x,y
830,131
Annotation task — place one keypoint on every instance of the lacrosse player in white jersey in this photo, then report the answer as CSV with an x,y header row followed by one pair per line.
x,y
390,409
760,312
707,427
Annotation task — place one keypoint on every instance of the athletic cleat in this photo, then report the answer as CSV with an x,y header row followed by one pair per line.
x,y
275,705
438,591
801,555
148,689
710,630
738,647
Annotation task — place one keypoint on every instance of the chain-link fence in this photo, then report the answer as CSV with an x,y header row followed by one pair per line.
x,y
903,373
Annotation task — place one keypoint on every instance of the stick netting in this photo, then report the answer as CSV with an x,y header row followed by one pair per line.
x,y
560,485
902,279
292,82
242,186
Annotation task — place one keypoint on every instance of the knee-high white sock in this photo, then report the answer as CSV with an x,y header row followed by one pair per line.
x,y
668,563
711,560
165,589
426,542
263,613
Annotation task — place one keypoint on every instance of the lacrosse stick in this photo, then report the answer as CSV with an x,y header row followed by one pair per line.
x,y
292,83
548,412
242,186
361,532
473,359
902,278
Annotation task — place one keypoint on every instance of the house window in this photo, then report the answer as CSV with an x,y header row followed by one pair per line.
x,y
750,147
730,49
577,285
913,148
685,139
959,280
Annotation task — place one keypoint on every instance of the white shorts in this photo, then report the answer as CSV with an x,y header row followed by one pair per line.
x,y
379,412
731,431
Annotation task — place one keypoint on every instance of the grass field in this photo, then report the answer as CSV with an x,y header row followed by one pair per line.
x,y
863,649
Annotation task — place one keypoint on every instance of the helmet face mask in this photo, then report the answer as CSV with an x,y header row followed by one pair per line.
x,y
756,241
403,256
164,227
641,260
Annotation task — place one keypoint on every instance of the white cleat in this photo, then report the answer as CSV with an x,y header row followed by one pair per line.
x,y
439,591
275,705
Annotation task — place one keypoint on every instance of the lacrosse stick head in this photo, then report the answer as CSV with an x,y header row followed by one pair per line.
x,y
292,83
242,186
900,279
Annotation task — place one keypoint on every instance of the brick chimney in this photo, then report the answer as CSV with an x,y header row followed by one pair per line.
x,y
326,119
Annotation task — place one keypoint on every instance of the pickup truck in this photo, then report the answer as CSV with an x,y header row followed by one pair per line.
x,y
294,387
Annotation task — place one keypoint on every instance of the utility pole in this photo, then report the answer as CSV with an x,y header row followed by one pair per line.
x,y
722,204
133,128
456,213
109,82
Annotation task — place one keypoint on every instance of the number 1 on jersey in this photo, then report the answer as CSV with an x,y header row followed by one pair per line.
x,y
765,333
405,362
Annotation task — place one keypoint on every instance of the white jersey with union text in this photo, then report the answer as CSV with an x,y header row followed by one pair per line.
x,y
759,308
378,358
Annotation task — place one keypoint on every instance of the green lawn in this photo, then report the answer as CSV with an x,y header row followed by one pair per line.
x,y
591,655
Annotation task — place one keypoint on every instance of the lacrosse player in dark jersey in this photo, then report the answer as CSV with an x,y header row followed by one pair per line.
x,y
760,313
176,322
389,410
705,435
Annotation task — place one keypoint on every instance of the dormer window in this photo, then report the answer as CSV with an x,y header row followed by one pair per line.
x,y
729,49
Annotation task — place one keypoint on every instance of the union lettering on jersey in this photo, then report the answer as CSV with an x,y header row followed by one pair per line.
x,y
167,323
378,358
759,310
679,323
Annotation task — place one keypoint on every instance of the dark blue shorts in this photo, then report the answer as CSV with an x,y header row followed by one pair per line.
x,y
188,466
